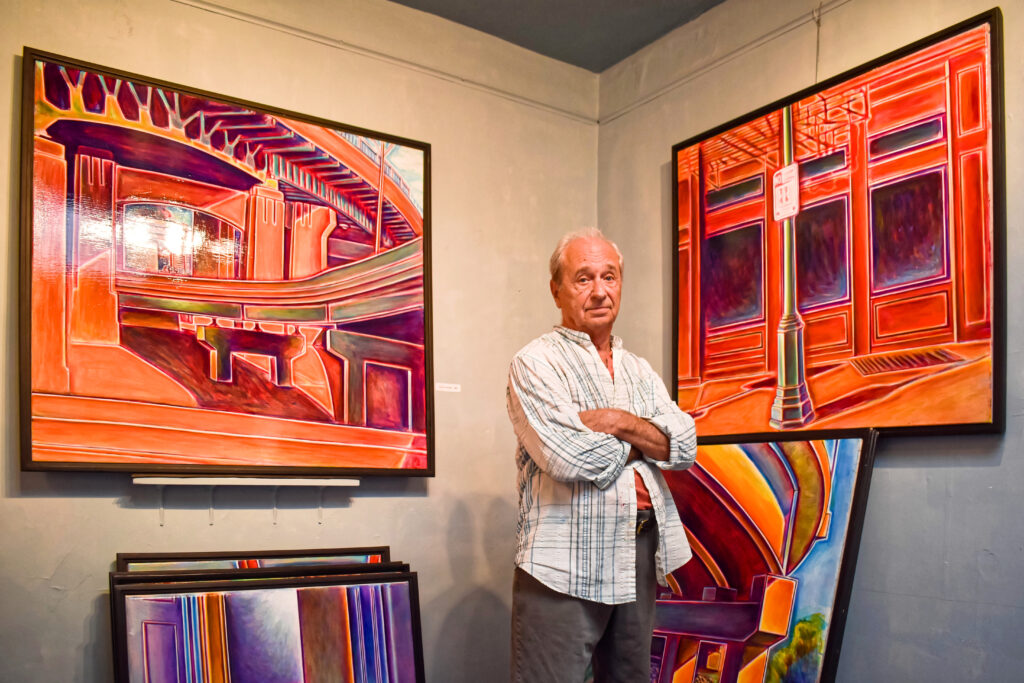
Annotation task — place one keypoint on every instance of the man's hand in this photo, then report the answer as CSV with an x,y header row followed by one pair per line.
x,y
636,431
605,420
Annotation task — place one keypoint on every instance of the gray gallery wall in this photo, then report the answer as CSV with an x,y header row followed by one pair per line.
x,y
938,594
519,155
514,160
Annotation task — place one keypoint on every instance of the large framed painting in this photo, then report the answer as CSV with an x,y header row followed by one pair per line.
x,y
775,526
215,286
840,254
251,559
338,628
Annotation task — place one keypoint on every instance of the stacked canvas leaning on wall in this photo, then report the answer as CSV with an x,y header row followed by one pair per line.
x,y
214,286
313,616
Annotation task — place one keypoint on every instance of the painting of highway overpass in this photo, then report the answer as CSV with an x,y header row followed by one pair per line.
x,y
213,286
774,527
838,253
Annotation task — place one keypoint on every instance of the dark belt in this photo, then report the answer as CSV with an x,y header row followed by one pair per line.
x,y
645,521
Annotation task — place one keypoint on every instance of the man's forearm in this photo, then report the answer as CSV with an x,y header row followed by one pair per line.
x,y
626,426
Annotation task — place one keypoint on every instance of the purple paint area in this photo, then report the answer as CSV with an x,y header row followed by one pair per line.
x,y
407,327
731,276
158,112
365,600
263,636
908,231
55,88
733,621
150,152
161,642
822,272
771,463
154,640
401,647
93,94
387,397
182,357
356,635
127,101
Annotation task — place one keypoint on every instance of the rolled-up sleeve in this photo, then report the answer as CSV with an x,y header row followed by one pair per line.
x,y
548,426
674,423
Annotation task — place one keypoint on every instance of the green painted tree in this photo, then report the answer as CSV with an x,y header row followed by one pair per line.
x,y
799,659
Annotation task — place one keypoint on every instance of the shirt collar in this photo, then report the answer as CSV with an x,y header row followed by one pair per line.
x,y
582,338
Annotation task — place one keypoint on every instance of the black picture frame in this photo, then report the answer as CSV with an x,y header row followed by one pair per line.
x,y
695,368
255,575
121,592
282,176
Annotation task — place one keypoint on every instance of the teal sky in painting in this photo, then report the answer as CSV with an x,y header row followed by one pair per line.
x,y
818,575
408,161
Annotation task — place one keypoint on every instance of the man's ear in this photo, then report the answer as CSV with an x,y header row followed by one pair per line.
x,y
554,292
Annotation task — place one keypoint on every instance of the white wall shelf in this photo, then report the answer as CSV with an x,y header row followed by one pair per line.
x,y
241,481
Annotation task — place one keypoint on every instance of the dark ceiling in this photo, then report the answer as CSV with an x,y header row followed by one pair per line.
x,y
593,34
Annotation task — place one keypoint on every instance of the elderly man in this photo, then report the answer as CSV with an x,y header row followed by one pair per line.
x,y
597,525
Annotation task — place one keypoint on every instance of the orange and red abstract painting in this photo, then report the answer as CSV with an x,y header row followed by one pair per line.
x,y
213,286
838,258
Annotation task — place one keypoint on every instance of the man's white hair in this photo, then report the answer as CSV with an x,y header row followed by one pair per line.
x,y
555,264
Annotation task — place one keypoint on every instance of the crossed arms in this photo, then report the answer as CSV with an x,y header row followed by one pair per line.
x,y
646,439
593,445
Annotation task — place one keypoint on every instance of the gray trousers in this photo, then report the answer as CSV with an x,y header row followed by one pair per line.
x,y
555,636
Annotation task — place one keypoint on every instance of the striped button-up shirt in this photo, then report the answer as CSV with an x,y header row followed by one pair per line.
x,y
577,494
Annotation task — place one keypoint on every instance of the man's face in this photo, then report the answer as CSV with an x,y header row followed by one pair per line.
x,y
590,286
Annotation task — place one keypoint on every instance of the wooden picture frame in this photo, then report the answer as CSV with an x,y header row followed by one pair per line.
x,y
250,559
841,252
213,286
255,574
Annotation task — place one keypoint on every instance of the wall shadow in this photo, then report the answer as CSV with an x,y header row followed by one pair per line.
x,y
468,646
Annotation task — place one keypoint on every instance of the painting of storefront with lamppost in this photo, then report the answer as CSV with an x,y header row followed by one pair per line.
x,y
838,256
